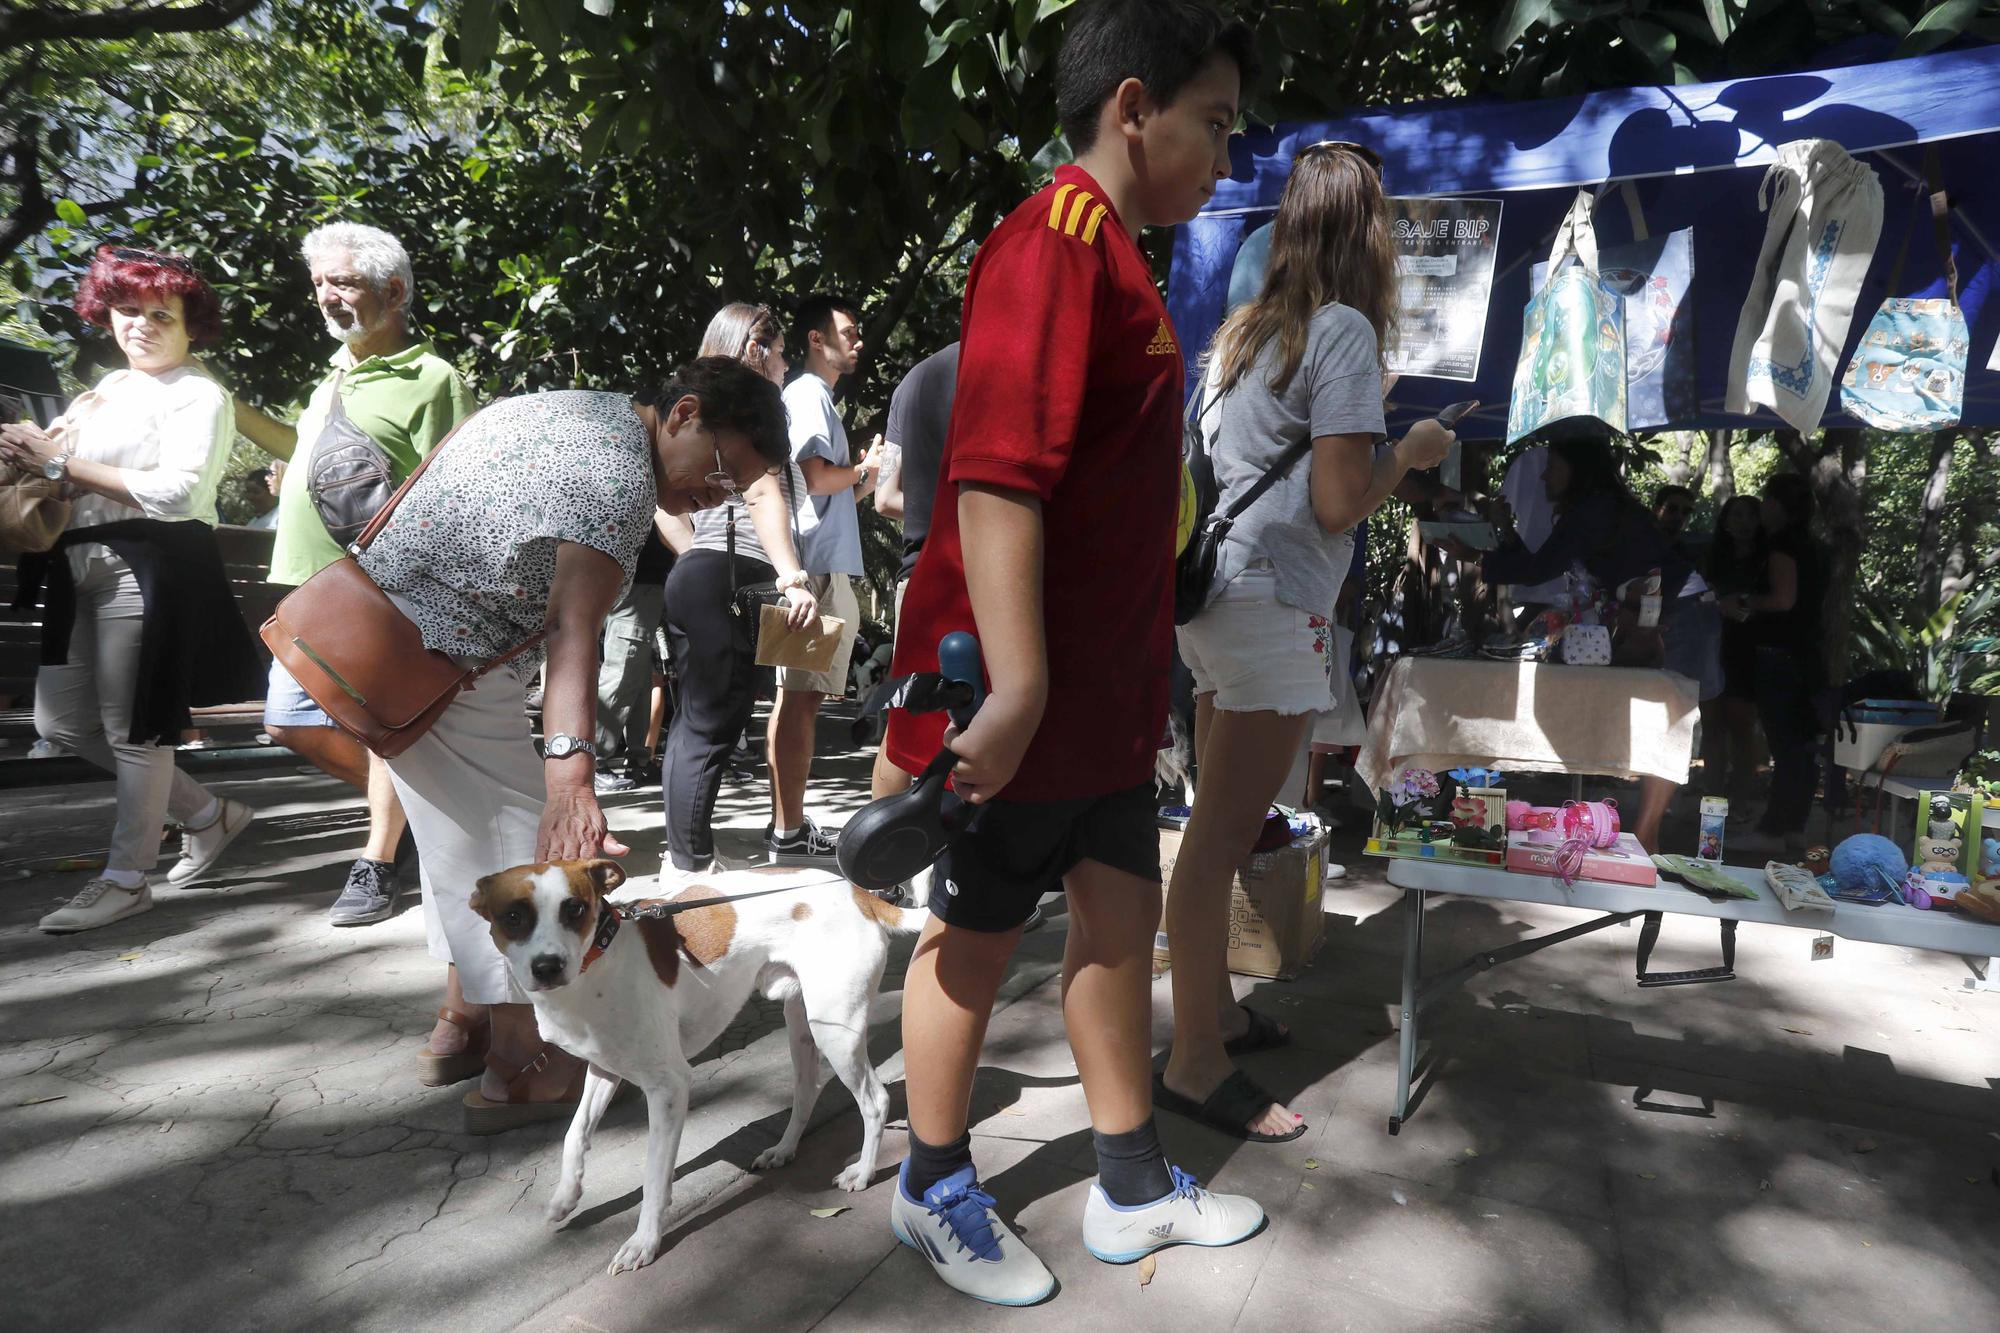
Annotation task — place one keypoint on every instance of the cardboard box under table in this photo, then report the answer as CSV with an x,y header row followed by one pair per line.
x,y
1274,908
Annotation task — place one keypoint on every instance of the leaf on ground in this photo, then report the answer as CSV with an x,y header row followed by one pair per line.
x,y
1868,1244
828,1212
1307,1185
1800,1032
129,957
1647,1175
1865,1145
37,1101
1472,1152
1401,1201
1312,1163
1147,1267
167,1126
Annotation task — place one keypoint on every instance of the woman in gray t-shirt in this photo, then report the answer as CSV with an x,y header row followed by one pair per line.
x,y
1302,361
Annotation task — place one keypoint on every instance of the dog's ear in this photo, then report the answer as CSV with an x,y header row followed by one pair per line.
x,y
479,892
606,874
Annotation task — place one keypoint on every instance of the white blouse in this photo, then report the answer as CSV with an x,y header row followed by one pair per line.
x,y
169,436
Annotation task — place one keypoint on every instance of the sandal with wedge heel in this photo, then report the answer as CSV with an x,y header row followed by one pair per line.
x,y
486,1115
438,1071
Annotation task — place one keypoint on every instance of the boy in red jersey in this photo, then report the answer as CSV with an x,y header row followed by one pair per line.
x,y
1053,540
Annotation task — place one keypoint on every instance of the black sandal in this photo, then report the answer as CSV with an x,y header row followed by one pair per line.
x,y
1264,1034
1230,1108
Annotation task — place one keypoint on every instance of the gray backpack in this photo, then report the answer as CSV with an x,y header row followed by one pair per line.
x,y
350,478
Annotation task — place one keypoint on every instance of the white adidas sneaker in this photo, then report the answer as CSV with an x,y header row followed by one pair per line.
x,y
1190,1215
954,1226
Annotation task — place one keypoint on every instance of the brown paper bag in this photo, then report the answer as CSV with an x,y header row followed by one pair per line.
x,y
808,649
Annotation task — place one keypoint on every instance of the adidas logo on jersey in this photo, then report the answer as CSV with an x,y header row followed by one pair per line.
x,y
1163,343
1077,213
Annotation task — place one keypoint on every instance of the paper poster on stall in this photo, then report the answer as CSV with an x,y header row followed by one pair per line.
x,y
1445,251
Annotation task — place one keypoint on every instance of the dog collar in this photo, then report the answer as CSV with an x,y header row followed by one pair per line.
x,y
607,931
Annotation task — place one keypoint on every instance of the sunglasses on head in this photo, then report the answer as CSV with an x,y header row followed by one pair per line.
x,y
1360,150
134,256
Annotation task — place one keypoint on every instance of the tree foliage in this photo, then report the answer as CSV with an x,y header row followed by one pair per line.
x,y
581,191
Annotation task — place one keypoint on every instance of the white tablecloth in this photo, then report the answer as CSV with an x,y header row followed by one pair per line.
x,y
1441,713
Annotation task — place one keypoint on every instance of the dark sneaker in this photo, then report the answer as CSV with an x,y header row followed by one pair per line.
x,y
811,843
370,895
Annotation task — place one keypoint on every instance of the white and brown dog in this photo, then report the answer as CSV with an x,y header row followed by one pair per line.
x,y
635,994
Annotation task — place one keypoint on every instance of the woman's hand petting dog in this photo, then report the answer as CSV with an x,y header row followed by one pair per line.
x,y
573,827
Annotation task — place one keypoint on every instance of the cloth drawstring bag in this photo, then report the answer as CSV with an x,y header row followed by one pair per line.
x,y
1824,212
1572,339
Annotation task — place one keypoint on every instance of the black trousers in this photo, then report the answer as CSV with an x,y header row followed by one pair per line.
x,y
715,660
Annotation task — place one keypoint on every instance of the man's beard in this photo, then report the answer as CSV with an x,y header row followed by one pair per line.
x,y
355,332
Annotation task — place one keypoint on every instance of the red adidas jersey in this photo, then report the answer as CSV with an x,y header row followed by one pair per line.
x,y
1069,387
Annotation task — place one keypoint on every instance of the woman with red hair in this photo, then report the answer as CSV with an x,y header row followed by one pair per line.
x,y
138,624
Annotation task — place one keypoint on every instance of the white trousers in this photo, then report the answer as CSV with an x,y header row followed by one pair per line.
x,y
473,789
86,708
1825,215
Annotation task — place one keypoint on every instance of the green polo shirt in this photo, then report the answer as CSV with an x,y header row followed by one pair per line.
x,y
406,402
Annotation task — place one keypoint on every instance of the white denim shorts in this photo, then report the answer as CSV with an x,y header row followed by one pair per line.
x,y
1256,654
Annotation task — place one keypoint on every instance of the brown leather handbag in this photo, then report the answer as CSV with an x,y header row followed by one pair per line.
x,y
360,658
33,512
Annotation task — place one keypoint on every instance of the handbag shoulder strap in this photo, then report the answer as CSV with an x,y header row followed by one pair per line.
x,y
1940,202
1272,476
382,515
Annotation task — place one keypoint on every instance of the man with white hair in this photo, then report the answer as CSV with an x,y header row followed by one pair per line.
x,y
406,398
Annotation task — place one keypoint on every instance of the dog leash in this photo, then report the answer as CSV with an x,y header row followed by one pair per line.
x,y
655,909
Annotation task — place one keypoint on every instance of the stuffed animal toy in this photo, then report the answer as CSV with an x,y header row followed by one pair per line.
x,y
1867,861
1989,865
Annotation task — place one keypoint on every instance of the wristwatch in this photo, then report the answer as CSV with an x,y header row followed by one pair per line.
x,y
560,746
58,467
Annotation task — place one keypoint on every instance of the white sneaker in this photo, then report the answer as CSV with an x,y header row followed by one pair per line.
x,y
968,1245
1188,1216
99,903
203,847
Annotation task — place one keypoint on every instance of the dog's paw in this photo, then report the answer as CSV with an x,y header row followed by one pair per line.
x,y
772,1158
635,1253
854,1179
563,1203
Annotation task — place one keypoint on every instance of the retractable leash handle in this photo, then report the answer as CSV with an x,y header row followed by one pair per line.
x,y
899,836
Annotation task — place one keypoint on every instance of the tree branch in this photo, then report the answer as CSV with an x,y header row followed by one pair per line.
x,y
28,27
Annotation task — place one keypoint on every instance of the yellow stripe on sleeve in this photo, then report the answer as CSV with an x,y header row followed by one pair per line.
x,y
1076,209
1056,207
1090,227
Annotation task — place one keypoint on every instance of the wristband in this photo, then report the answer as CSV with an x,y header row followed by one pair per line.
x,y
798,578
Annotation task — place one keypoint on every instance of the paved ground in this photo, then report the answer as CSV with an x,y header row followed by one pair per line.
x,y
208,1118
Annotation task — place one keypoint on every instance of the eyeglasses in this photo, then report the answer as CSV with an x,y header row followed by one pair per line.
x,y
133,256
1360,150
732,494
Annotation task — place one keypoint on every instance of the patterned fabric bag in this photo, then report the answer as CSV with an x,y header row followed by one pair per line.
x,y
1572,339
1908,374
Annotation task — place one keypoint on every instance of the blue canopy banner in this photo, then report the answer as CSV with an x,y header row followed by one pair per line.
x,y
1696,154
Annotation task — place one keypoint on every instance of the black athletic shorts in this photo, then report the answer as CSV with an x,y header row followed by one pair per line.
x,y
1013,852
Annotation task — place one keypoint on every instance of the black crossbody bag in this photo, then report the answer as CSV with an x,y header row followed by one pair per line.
x,y
1194,572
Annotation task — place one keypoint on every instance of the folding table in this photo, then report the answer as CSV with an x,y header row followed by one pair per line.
x,y
1945,932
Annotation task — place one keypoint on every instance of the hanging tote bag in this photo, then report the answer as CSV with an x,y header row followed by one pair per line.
x,y
1572,339
1908,373
33,512
1653,277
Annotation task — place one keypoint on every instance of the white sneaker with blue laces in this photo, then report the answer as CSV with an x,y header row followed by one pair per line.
x,y
954,1226
1190,1215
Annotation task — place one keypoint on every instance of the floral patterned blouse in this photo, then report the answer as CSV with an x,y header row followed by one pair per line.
x,y
471,551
